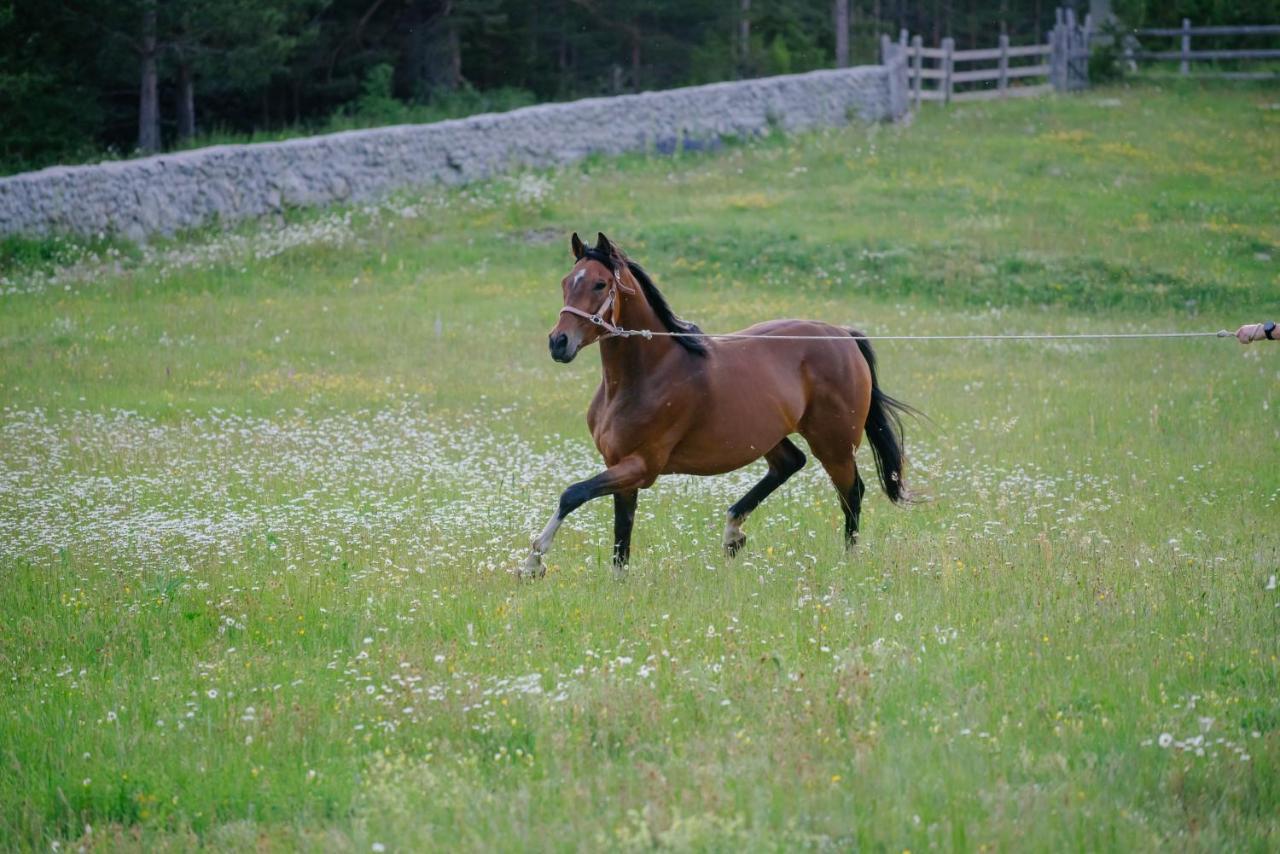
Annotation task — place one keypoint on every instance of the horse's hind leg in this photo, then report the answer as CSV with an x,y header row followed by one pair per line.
x,y
852,503
784,459
837,459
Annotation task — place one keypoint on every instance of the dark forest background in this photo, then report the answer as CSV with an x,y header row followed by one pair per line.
x,y
82,79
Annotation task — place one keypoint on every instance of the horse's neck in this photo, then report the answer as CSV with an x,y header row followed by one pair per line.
x,y
630,360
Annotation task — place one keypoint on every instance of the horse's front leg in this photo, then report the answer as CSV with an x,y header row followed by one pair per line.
x,y
628,475
624,517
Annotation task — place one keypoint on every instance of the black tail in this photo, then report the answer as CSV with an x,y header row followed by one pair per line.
x,y
884,429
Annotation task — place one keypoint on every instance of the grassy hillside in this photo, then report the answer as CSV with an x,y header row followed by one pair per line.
x,y
261,490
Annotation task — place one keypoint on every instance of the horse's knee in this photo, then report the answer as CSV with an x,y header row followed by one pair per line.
x,y
574,497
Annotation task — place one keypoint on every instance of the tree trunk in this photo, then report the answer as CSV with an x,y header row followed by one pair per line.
x,y
635,58
562,43
455,55
842,33
433,51
186,101
531,63
149,88
744,33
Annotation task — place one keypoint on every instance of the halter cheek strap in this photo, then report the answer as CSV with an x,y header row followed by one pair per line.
x,y
598,319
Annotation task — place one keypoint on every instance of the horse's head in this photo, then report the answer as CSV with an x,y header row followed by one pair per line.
x,y
591,297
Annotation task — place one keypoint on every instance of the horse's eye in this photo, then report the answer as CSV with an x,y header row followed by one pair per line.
x,y
600,286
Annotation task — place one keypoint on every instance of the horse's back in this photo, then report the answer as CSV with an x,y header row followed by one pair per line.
x,y
825,358
760,389
822,351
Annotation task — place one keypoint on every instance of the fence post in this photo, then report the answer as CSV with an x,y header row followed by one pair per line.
x,y
1185,67
1069,50
1053,53
902,37
917,59
1057,52
948,68
890,59
1077,53
897,70
1053,57
1003,82
1064,49
1089,34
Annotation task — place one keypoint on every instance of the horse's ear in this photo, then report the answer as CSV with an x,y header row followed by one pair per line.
x,y
578,249
603,246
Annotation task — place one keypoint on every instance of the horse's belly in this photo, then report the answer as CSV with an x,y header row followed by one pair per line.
x,y
694,462
722,451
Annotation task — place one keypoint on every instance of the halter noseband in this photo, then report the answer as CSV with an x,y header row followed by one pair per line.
x,y
598,319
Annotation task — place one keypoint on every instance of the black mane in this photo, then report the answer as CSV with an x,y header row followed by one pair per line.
x,y
668,318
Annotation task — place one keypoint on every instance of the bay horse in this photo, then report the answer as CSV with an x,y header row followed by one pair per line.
x,y
690,404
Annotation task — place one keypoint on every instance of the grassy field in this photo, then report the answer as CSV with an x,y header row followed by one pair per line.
x,y
261,492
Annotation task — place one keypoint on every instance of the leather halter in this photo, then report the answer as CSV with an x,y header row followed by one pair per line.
x,y
598,318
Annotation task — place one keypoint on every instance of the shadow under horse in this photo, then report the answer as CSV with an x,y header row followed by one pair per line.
x,y
691,404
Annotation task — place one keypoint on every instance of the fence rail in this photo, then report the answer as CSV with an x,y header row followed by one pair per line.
x,y
1207,54
1185,55
1063,65
1242,30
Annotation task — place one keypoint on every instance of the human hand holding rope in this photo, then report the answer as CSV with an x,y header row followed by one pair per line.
x,y
1257,332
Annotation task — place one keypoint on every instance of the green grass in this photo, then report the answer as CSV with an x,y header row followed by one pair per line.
x,y
288,469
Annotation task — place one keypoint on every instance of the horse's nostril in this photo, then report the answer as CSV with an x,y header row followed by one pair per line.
x,y
559,342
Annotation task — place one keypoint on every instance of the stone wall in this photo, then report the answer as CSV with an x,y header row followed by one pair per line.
x,y
170,192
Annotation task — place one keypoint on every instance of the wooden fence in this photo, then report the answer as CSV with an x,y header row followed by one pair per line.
x,y
1061,63
1184,56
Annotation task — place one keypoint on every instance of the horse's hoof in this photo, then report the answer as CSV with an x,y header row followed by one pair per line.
x,y
732,547
532,568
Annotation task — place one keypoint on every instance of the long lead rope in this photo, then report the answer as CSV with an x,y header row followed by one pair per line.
x,y
613,330
618,332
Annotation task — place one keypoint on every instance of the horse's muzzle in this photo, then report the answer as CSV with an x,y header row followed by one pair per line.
x,y
561,350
